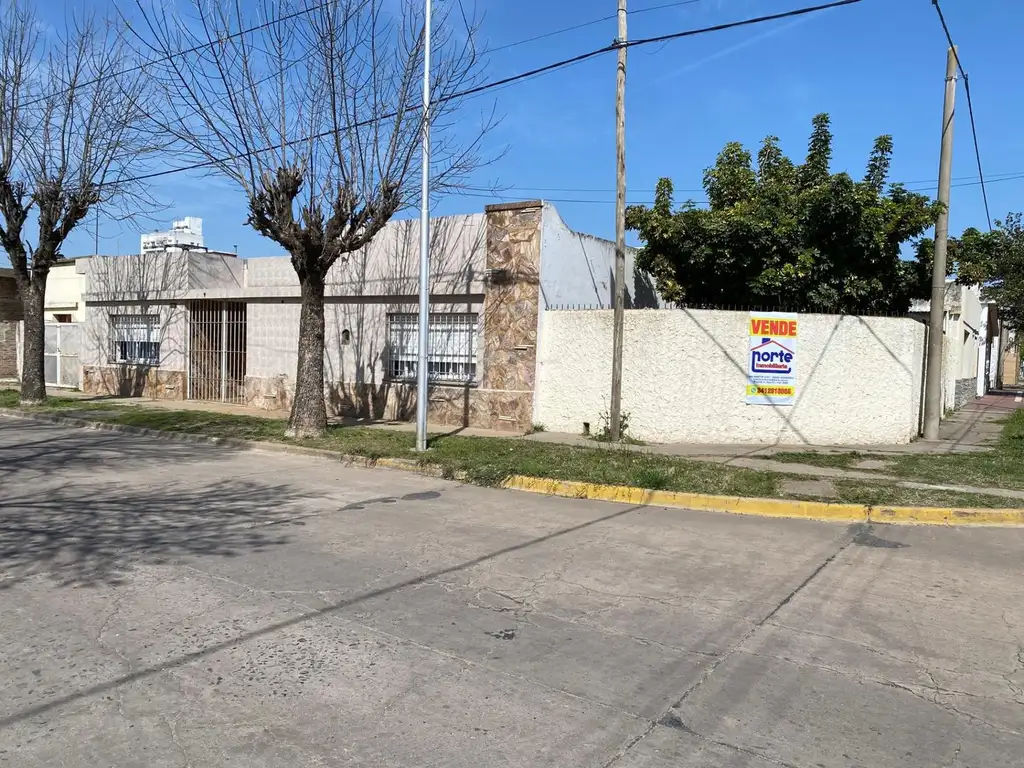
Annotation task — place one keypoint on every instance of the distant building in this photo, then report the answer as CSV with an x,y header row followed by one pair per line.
x,y
186,234
972,346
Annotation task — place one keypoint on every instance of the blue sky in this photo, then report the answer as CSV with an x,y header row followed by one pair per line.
x,y
876,67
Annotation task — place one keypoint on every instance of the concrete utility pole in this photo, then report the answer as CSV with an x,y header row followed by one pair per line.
x,y
422,361
615,410
933,384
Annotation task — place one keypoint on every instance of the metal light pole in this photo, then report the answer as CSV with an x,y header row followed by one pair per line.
x,y
424,323
615,410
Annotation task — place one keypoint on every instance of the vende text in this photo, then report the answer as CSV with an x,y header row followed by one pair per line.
x,y
765,327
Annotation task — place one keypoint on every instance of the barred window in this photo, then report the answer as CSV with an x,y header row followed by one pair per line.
x,y
135,339
451,347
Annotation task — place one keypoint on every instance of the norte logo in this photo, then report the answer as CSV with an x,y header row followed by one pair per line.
x,y
771,356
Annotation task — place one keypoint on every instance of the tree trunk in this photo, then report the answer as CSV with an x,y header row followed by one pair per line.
x,y
309,409
33,375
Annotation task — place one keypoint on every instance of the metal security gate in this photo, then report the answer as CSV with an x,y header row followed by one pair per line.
x,y
61,344
216,351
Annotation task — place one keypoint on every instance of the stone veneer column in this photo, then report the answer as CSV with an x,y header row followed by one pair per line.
x,y
510,316
8,349
10,314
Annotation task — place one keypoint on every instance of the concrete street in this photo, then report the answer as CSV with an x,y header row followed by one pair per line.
x,y
181,605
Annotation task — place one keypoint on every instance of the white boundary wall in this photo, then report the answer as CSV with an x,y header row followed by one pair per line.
x,y
859,379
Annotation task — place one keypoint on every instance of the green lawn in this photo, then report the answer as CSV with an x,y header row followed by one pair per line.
x,y
815,459
485,461
882,495
489,461
1001,467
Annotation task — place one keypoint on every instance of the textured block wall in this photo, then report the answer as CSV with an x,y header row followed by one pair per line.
x,y
685,373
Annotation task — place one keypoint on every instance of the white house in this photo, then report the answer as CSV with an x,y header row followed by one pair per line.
x,y
971,331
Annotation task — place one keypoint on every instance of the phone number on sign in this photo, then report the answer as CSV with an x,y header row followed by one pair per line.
x,y
788,391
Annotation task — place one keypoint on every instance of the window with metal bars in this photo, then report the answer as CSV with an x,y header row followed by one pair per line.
x,y
451,343
135,339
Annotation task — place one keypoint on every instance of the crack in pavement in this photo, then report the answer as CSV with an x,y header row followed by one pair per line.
x,y
187,658
956,755
851,538
524,617
171,727
946,706
673,721
102,645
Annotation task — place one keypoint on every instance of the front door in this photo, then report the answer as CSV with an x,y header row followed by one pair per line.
x,y
216,353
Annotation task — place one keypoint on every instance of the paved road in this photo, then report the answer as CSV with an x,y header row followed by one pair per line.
x,y
175,605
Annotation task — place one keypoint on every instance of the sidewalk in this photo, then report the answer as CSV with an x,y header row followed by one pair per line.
x,y
806,472
975,427
260,413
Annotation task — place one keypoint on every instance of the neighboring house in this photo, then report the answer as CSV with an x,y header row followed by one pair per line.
x,y
63,313
971,331
64,304
65,292
1010,362
202,326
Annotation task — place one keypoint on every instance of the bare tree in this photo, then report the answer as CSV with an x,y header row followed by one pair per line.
x,y
313,109
72,118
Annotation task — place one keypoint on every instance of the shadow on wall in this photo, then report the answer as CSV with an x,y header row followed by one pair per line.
x,y
129,380
81,533
142,288
687,372
358,380
645,294
787,414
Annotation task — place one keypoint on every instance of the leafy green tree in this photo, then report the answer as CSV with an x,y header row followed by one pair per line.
x,y
995,260
787,236
968,257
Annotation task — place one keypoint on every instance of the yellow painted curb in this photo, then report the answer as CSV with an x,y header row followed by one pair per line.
x,y
806,510
736,505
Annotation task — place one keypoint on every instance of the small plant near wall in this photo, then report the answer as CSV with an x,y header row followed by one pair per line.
x,y
604,434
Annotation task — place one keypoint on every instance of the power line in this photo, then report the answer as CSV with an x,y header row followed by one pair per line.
x,y
492,85
186,52
967,181
977,152
743,23
363,123
970,107
970,181
592,22
296,14
492,196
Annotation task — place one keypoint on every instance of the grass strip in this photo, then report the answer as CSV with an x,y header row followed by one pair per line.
x,y
488,461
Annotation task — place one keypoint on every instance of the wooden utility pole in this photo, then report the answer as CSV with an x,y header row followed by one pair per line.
x,y
933,405
615,411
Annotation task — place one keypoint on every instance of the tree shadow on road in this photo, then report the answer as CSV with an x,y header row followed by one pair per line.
x,y
81,532
184,659
32,450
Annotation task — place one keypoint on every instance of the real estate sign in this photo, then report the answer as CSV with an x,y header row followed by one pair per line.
x,y
771,362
